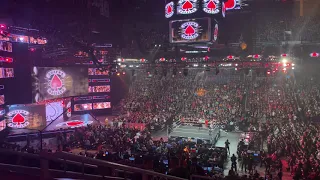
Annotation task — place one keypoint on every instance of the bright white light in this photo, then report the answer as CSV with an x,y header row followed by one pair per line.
x,y
284,69
284,64
119,64
119,60
236,64
204,65
284,60
195,65
130,65
292,67
21,38
159,45
137,66
293,64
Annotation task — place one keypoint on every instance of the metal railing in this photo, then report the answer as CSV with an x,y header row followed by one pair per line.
x,y
45,170
45,160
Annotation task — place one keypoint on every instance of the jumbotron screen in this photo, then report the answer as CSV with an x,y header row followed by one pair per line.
x,y
26,116
190,30
58,82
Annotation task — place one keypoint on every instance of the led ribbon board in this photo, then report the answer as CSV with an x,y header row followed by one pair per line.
x,y
187,6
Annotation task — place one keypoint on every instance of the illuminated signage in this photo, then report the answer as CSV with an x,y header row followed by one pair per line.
x,y
187,6
314,54
234,4
169,10
189,30
215,33
223,10
73,124
211,6
18,119
56,82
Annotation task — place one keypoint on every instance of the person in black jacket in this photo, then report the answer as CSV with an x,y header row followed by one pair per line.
x,y
244,162
234,162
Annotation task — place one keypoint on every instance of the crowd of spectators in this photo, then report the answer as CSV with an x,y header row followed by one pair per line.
x,y
281,107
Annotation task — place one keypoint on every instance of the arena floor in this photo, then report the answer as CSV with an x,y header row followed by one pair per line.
x,y
233,137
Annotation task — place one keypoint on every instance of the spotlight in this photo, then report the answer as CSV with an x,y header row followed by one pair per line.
x,y
284,60
118,74
123,73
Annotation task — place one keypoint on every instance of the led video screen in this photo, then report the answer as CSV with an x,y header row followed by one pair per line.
x,y
169,10
2,100
26,116
187,6
3,125
5,46
97,72
98,89
211,6
83,107
54,110
6,72
102,105
190,30
58,82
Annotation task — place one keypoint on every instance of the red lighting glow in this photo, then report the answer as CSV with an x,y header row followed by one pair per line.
x,y
314,54
284,55
230,57
256,56
9,60
183,58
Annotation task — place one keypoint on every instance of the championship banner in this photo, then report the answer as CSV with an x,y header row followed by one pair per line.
x,y
58,82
